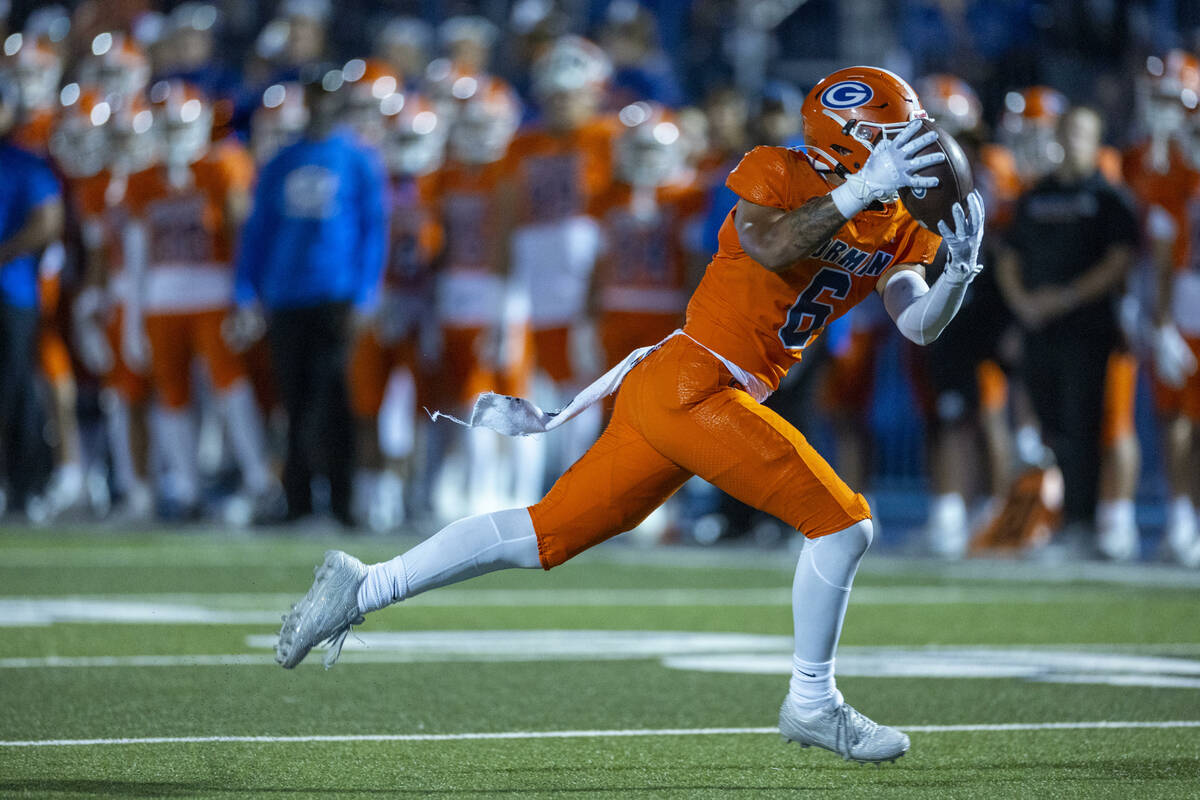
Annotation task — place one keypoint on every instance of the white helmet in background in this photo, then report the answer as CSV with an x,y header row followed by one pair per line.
x,y
184,117
572,64
34,67
115,64
80,142
650,149
278,121
415,140
487,120
132,135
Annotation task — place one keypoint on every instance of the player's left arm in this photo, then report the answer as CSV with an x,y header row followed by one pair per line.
x,y
921,312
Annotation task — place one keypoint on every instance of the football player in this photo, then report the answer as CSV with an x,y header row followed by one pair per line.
x,y
278,120
115,66
184,215
969,389
1164,176
403,43
1028,126
482,346
647,218
557,167
34,66
366,82
812,234
100,144
414,147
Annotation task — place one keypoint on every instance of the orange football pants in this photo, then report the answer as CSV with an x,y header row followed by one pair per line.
x,y
132,387
175,340
463,375
371,366
680,413
552,352
1120,395
1184,401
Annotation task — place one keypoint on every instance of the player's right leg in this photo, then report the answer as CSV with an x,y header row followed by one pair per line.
x,y
612,488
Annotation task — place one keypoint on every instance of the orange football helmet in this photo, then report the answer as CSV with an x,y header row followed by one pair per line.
x,y
1027,128
366,82
849,111
950,102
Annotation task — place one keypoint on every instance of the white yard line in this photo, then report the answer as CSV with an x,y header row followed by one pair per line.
x,y
594,734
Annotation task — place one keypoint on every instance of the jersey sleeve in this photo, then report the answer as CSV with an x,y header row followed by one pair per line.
x,y
763,178
237,168
917,245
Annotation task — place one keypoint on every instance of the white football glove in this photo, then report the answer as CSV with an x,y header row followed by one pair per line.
x,y
90,340
1173,359
964,241
135,346
892,165
242,328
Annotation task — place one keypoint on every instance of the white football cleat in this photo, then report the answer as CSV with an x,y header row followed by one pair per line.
x,y
1118,542
326,612
842,730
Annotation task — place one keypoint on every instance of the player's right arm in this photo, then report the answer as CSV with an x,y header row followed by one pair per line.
x,y
777,238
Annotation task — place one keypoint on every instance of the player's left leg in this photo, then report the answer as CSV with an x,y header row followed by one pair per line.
x,y
240,414
172,343
1116,526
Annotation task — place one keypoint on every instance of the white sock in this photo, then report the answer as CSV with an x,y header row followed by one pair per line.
x,y
1115,515
820,592
245,426
116,415
1180,511
465,549
179,453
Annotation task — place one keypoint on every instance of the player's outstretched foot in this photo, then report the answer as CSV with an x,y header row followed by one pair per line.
x,y
326,612
843,730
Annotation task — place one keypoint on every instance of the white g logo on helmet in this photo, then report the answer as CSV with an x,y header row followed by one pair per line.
x,y
847,94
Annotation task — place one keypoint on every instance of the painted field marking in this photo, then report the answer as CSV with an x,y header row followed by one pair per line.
x,y
595,734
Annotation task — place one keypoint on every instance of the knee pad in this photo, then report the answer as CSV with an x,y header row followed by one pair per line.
x,y
835,557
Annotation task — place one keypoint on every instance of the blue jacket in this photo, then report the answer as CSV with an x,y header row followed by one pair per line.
x,y
318,229
26,183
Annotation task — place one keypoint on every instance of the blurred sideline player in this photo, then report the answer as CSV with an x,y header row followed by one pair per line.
x,y
482,345
33,65
645,271
1164,178
1029,128
812,234
403,43
100,144
184,215
969,389
414,145
556,168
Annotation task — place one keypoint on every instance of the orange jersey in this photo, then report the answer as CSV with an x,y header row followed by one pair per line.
x,y
762,320
189,225
416,236
1171,190
999,183
468,208
34,133
559,175
644,264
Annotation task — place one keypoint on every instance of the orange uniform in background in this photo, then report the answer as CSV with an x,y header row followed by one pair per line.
x,y
557,178
189,278
471,289
641,279
1174,187
685,410
405,299
34,133
98,202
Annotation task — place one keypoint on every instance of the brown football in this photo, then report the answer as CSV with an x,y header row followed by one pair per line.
x,y
955,182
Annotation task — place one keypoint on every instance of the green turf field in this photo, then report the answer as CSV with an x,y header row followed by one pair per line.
x,y
141,667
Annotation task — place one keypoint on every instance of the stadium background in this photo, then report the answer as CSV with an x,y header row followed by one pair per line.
x,y
770,52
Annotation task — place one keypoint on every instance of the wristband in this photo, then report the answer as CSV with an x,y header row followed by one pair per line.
x,y
847,199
